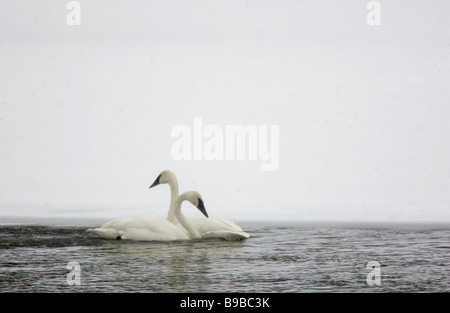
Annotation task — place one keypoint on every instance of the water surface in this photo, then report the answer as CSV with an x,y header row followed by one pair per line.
x,y
275,259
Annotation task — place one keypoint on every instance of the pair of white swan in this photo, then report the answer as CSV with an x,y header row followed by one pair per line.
x,y
155,228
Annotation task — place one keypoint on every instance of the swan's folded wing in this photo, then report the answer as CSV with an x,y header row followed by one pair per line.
x,y
227,235
216,227
204,225
227,224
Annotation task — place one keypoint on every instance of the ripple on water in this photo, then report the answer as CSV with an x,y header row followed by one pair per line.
x,y
287,259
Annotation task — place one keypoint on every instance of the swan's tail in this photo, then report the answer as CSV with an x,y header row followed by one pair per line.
x,y
108,233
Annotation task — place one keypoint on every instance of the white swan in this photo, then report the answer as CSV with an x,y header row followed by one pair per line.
x,y
154,228
212,227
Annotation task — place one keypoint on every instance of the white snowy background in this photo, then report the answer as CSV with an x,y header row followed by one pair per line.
x,y
86,112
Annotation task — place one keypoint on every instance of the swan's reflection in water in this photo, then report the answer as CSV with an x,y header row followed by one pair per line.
x,y
162,266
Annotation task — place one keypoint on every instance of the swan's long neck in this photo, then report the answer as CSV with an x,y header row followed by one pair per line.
x,y
193,233
173,183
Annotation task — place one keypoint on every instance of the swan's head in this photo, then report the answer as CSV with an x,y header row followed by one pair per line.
x,y
201,207
164,177
196,199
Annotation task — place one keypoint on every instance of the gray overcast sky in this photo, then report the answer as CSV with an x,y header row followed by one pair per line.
x,y
86,112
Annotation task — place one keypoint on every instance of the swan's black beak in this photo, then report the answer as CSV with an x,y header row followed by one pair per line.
x,y
156,182
201,207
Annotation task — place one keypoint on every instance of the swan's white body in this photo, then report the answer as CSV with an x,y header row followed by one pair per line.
x,y
151,228
141,228
212,227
